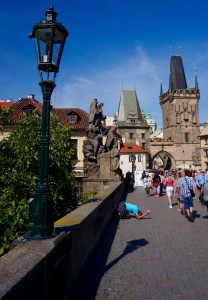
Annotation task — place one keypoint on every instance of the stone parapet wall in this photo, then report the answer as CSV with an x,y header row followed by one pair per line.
x,y
51,268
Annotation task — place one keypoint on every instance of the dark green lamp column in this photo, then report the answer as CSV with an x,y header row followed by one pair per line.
x,y
50,38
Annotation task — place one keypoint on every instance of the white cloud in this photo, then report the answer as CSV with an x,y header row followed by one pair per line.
x,y
135,72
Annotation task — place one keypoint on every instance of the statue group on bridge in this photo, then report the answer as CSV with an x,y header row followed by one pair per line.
x,y
93,147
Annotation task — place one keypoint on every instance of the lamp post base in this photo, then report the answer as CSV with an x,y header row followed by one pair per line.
x,y
41,222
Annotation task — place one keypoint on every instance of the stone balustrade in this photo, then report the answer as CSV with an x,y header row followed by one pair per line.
x,y
51,268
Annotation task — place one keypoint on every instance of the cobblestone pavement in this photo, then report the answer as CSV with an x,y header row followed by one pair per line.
x,y
160,257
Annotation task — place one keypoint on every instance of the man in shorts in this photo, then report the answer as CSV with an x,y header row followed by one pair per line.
x,y
186,185
200,181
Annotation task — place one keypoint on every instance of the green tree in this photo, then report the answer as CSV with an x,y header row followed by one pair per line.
x,y
5,117
19,156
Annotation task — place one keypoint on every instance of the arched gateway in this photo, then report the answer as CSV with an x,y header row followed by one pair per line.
x,y
164,160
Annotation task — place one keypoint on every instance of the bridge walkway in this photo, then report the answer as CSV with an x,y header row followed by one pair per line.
x,y
160,257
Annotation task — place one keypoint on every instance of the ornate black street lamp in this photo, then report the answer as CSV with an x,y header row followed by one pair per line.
x,y
50,38
132,158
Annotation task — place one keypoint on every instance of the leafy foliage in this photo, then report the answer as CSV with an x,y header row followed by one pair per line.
x,y
5,115
86,197
19,156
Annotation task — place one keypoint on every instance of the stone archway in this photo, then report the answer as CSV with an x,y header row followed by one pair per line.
x,y
164,159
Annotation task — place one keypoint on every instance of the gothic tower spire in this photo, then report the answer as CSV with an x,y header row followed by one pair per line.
x,y
161,89
177,78
196,82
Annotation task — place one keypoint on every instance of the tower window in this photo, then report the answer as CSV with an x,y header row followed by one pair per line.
x,y
139,158
143,145
131,135
143,136
186,137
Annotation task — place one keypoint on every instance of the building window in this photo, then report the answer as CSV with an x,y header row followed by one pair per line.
x,y
29,111
143,136
143,145
131,135
74,143
139,158
186,137
72,119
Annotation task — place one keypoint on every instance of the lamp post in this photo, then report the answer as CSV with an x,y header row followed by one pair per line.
x,y
50,38
132,158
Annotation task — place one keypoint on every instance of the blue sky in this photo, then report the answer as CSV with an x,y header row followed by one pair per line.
x,y
112,44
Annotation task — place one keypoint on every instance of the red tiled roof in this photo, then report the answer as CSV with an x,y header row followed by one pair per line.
x,y
19,106
82,117
63,113
130,148
6,105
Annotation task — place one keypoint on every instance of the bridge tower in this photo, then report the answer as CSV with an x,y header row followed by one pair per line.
x,y
181,116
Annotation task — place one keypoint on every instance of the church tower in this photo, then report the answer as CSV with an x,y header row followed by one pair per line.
x,y
180,115
130,122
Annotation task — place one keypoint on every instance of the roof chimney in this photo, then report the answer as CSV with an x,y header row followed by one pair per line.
x,y
31,96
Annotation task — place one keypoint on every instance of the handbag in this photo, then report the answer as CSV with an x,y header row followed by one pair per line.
x,y
192,192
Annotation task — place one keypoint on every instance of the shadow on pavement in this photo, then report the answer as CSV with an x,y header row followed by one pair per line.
x,y
90,283
131,247
87,288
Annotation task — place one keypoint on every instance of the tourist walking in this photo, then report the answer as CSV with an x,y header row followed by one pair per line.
x,y
177,193
162,180
205,196
188,193
169,182
200,181
147,184
156,184
143,177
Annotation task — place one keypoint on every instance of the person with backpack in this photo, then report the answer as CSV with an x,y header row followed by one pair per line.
x,y
156,183
125,208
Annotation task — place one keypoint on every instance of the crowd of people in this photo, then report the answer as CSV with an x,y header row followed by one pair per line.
x,y
179,184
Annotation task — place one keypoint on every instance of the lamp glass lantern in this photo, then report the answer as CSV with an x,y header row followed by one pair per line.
x,y
50,38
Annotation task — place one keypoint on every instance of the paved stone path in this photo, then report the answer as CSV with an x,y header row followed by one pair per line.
x,y
160,257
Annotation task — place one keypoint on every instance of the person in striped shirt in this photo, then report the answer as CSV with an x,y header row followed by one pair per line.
x,y
187,185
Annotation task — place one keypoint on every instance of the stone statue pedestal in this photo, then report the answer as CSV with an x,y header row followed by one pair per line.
x,y
106,176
